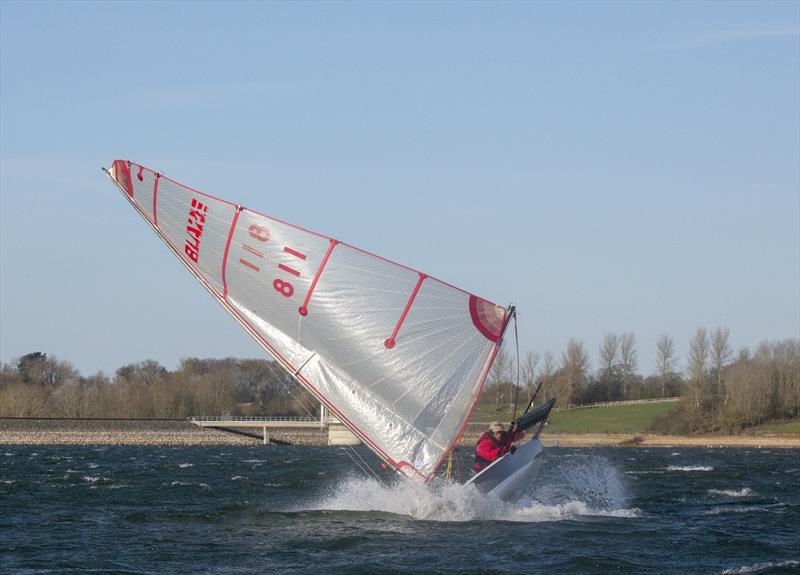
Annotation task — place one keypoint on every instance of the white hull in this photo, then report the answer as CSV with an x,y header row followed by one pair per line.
x,y
508,476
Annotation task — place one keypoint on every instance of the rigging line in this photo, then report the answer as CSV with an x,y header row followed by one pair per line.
x,y
310,357
362,465
288,389
353,449
357,464
516,387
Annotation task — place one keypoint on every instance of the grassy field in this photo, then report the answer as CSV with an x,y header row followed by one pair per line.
x,y
616,419
790,427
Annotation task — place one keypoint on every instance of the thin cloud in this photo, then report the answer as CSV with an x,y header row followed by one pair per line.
x,y
716,38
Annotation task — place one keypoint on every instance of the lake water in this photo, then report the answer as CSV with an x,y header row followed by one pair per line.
x,y
269,509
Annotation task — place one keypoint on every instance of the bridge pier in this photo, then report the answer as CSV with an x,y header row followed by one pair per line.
x,y
338,434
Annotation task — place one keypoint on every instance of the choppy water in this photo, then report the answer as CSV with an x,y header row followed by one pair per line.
x,y
309,510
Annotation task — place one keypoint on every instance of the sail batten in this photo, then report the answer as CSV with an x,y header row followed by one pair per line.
x,y
398,356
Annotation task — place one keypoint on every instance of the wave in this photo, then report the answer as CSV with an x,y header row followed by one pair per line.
x,y
189,484
185,465
744,492
761,567
591,488
690,468
770,508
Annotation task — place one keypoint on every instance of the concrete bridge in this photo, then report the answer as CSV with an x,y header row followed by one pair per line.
x,y
338,434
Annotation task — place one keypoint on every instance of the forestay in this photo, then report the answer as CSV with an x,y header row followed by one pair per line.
x,y
398,356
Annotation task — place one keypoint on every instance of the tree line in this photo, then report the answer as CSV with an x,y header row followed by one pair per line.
x,y
719,390
40,386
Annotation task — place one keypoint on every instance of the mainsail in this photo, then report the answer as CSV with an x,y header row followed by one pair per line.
x,y
399,356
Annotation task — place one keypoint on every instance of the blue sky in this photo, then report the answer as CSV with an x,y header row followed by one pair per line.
x,y
607,167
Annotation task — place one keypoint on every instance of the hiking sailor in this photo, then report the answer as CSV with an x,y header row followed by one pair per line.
x,y
494,443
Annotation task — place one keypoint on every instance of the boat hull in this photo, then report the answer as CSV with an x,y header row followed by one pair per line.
x,y
508,476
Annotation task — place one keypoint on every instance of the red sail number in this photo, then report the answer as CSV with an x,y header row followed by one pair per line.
x,y
261,234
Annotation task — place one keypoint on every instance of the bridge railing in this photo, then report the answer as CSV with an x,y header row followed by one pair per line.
x,y
253,418
329,420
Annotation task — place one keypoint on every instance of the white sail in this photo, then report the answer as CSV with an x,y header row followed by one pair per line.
x,y
398,356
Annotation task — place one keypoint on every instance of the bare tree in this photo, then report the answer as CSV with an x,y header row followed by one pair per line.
x,y
698,355
608,351
546,373
608,380
574,365
665,359
698,379
500,377
721,353
528,374
628,359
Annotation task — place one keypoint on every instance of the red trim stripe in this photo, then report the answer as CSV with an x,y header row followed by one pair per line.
x,y
155,199
124,170
389,343
227,249
477,321
304,308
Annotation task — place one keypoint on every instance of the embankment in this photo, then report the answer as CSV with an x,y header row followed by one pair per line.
x,y
134,432
179,432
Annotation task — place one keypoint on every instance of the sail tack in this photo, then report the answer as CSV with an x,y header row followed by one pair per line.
x,y
400,357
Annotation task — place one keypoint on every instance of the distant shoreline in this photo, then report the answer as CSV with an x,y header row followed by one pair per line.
x,y
787,441
184,433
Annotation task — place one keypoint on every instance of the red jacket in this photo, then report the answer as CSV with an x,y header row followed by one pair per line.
x,y
488,448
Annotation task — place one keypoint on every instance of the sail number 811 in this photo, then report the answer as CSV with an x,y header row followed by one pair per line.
x,y
261,234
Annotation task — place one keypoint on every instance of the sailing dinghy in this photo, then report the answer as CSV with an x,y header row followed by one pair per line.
x,y
398,356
